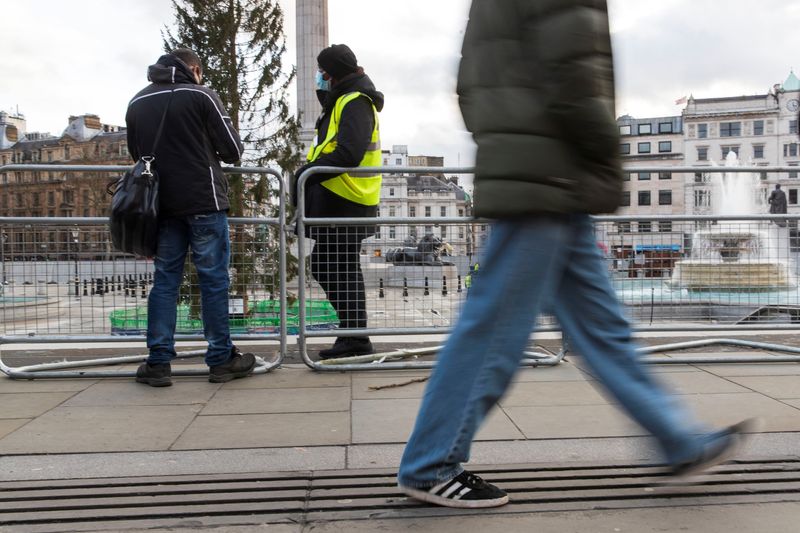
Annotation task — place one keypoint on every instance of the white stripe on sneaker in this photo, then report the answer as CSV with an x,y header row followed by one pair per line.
x,y
464,492
456,486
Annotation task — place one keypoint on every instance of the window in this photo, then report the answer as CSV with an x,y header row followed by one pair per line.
x,y
624,227
428,230
51,198
625,148
644,176
758,127
645,129
66,152
624,130
626,176
644,148
727,149
443,211
702,153
443,232
758,151
790,150
398,161
665,197
626,198
392,211
793,174
792,126
68,197
665,175
702,198
664,146
36,196
427,210
730,129
391,191
665,226
461,232
460,212
793,196
645,227
392,232
665,127
644,197
702,131
412,210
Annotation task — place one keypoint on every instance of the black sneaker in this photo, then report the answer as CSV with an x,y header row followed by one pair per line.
x,y
465,491
154,375
719,450
240,365
348,347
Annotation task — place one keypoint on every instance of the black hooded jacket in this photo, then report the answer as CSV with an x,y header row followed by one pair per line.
x,y
355,135
197,134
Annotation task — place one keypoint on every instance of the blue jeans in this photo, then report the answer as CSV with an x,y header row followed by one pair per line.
x,y
207,235
549,262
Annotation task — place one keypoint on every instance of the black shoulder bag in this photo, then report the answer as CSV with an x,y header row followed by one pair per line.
x,y
134,207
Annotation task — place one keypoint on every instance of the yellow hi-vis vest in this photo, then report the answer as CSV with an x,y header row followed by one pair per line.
x,y
360,188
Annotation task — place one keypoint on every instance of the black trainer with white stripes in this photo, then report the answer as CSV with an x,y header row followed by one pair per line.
x,y
466,491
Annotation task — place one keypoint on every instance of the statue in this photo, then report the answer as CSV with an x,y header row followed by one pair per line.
x,y
777,203
428,251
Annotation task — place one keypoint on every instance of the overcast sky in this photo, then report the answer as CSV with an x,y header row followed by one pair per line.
x,y
61,57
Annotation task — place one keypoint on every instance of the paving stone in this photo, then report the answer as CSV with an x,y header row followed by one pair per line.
x,y
392,421
297,376
778,387
101,429
553,393
11,424
407,388
251,431
112,393
30,405
727,409
551,422
753,369
561,372
698,383
250,401
44,385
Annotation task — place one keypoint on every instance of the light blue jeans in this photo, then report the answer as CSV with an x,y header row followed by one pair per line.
x,y
208,237
550,262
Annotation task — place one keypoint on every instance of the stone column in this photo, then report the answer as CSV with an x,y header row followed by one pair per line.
x,y
312,37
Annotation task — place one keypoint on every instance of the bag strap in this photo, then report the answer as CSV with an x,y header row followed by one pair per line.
x,y
161,124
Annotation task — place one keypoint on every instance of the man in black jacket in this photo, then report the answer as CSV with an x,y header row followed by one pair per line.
x,y
193,203
347,136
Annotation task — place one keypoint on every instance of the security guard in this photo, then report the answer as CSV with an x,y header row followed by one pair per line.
x,y
347,135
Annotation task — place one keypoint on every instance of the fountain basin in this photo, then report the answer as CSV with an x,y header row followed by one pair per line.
x,y
739,276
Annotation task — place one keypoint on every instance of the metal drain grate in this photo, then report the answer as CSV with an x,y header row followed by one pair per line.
x,y
127,503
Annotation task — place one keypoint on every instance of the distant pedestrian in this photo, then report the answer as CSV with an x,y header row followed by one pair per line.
x,y
193,204
536,89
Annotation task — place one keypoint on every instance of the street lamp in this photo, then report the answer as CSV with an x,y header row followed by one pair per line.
x,y
75,233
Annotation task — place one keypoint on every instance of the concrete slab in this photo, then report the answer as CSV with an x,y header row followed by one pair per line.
x,y
100,429
30,405
555,393
698,383
294,376
776,518
558,422
778,387
753,369
392,421
44,385
12,424
560,372
253,431
128,392
726,409
250,401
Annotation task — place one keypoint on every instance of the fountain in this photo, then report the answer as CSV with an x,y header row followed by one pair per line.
x,y
732,259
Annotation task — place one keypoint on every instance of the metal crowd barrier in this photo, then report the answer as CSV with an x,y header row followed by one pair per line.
x,y
62,282
408,300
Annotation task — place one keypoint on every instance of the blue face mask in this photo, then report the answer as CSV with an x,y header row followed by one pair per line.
x,y
322,83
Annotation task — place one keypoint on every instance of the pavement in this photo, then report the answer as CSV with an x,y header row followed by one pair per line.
x,y
74,435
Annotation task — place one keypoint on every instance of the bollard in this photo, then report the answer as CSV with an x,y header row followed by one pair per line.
x,y
144,290
380,288
85,288
109,288
427,292
405,287
119,283
101,288
444,285
77,287
127,288
458,288
94,286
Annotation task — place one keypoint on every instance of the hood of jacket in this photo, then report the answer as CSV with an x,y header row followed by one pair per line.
x,y
170,69
358,81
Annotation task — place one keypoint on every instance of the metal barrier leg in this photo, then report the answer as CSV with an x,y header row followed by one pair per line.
x,y
721,358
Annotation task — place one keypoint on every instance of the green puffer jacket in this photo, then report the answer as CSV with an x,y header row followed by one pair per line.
x,y
536,88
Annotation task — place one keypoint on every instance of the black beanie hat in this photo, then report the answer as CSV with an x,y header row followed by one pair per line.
x,y
338,61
